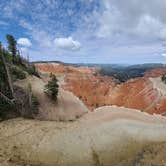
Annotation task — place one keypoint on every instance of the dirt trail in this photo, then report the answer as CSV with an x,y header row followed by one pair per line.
x,y
68,106
108,136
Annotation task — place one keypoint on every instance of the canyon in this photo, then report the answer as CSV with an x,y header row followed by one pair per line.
x,y
89,124
96,90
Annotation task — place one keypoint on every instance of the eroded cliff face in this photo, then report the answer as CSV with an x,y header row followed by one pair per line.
x,y
137,93
157,72
92,88
96,90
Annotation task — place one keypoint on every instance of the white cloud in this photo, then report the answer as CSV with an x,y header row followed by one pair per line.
x,y
151,27
24,42
133,18
163,54
67,44
108,30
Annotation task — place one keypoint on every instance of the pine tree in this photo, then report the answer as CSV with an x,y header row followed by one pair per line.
x,y
12,46
51,89
5,77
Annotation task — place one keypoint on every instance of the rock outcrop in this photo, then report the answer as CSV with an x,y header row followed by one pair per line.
x,y
135,93
156,72
108,136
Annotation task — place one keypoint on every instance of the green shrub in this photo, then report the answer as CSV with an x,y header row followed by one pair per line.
x,y
163,78
5,109
35,104
32,71
51,89
18,73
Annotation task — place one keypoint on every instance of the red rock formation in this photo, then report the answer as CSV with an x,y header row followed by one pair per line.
x,y
92,88
96,90
61,69
136,93
155,72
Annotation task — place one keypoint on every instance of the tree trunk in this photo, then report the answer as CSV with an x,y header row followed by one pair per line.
x,y
8,76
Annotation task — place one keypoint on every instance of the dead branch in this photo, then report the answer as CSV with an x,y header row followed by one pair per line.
x,y
7,99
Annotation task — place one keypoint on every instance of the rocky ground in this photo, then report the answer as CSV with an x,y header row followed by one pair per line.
x,y
108,137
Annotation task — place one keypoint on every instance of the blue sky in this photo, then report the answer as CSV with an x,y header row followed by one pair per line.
x,y
87,31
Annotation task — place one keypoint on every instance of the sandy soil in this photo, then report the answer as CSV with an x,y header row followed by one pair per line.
x,y
68,106
109,136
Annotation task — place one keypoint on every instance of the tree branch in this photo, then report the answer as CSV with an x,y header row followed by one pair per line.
x,y
6,98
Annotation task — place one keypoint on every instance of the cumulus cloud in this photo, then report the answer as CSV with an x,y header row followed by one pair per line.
x,y
67,43
106,28
24,42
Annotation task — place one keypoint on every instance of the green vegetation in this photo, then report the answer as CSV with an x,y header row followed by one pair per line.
x,y
4,83
163,78
12,46
123,73
17,73
32,71
14,100
51,89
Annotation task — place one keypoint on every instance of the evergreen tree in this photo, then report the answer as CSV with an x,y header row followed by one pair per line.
x,y
51,89
5,79
12,46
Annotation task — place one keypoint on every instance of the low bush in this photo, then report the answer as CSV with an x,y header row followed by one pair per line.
x,y
6,109
32,71
18,73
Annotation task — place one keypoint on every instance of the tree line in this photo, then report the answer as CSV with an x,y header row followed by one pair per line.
x,y
13,66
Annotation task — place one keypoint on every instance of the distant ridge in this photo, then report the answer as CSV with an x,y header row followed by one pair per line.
x,y
48,62
105,64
